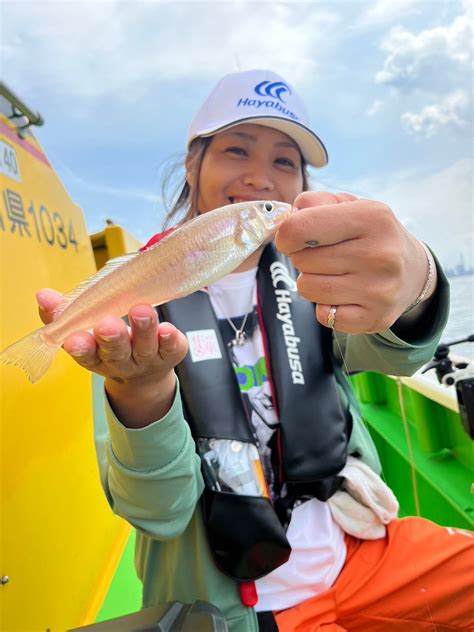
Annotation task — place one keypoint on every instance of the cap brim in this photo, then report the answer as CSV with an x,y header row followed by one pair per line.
x,y
312,148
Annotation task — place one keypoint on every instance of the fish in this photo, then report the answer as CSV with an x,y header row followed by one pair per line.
x,y
194,255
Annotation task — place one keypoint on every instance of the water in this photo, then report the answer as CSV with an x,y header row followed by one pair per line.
x,y
461,317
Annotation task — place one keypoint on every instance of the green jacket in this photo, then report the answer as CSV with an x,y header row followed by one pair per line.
x,y
152,476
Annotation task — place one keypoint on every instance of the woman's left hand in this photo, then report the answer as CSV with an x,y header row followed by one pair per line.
x,y
353,254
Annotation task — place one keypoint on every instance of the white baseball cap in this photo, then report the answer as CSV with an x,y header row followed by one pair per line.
x,y
263,97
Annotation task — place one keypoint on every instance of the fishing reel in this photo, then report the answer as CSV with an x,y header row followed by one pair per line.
x,y
459,374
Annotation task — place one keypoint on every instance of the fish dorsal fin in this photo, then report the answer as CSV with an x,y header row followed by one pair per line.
x,y
110,266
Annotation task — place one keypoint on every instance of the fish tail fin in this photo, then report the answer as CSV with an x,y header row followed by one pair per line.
x,y
31,354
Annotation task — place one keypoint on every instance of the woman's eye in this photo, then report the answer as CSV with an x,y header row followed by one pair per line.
x,y
239,151
285,162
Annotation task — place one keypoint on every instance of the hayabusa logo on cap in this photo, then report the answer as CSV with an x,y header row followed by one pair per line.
x,y
274,90
269,106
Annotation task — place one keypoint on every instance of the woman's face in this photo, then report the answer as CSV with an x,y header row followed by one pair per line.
x,y
248,162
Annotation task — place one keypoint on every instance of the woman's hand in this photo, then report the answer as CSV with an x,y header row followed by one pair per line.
x,y
356,255
137,364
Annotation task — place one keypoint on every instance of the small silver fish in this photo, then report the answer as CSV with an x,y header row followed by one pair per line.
x,y
196,254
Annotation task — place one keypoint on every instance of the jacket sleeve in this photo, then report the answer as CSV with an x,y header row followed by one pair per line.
x,y
151,476
386,353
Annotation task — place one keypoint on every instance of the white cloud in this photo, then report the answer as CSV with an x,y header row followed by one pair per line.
x,y
385,11
433,58
376,106
453,112
429,75
121,49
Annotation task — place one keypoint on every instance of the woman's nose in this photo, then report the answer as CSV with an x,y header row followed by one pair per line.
x,y
258,179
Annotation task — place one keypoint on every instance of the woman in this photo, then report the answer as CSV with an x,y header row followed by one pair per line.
x,y
240,504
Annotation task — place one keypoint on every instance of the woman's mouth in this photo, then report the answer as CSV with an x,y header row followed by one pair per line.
x,y
237,200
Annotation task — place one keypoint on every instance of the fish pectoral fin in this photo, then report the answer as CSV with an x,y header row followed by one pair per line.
x,y
243,239
246,235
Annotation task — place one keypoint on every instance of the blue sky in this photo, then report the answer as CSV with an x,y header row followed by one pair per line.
x,y
388,84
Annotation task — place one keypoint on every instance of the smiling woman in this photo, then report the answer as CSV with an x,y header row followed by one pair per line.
x,y
247,162
187,199
264,495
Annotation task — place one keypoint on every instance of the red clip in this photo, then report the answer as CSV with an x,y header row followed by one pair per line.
x,y
248,594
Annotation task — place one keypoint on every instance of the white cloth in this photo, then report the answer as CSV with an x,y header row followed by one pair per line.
x,y
364,504
318,553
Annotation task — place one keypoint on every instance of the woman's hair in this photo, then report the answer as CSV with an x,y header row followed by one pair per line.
x,y
184,199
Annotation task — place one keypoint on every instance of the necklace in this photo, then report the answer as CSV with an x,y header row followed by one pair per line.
x,y
240,336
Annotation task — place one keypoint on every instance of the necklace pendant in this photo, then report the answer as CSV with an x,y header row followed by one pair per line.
x,y
239,340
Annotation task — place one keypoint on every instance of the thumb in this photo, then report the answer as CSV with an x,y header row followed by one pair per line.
x,y
173,344
47,300
321,198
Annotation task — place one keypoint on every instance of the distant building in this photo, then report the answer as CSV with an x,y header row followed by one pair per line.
x,y
460,269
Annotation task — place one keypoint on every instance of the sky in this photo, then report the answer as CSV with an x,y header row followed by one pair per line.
x,y
388,85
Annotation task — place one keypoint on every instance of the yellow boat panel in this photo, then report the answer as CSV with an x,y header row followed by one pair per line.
x,y
60,542
112,242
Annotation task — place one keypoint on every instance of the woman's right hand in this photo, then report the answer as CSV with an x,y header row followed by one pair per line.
x,y
137,364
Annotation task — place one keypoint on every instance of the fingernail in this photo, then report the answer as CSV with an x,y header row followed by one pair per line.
x,y
141,322
109,337
78,353
169,330
167,339
40,296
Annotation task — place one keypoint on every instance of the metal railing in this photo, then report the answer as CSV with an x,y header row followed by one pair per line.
x,y
19,106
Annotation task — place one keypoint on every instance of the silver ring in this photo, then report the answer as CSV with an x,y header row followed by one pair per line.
x,y
331,321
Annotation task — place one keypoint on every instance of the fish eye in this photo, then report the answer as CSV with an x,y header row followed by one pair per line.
x,y
268,206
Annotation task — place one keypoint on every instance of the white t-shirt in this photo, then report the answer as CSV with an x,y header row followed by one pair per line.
x,y
317,542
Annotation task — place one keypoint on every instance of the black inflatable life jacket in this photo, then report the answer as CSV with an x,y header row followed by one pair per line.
x,y
245,535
